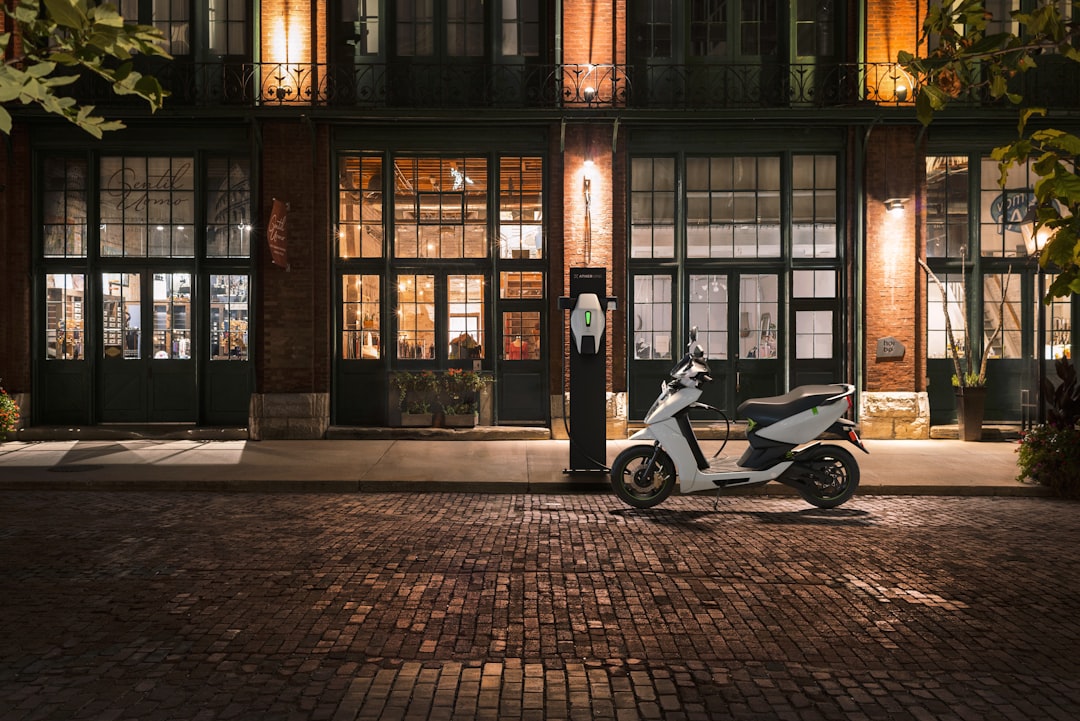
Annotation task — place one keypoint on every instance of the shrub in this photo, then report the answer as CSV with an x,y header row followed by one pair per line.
x,y
9,414
1050,457
1049,454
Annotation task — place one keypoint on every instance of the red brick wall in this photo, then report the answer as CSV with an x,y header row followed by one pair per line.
x,y
15,250
294,340
892,296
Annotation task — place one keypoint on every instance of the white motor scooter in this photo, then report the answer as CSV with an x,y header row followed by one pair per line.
x,y
781,431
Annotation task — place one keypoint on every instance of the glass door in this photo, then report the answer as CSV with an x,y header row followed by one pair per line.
x,y
147,368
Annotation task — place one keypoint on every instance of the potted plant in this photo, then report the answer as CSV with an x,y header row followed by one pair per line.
x,y
458,396
968,380
415,395
1049,454
9,414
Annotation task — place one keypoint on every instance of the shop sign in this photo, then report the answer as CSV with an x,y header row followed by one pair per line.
x,y
277,233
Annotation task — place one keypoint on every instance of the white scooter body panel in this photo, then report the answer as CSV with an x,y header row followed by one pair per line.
x,y
692,478
669,404
808,424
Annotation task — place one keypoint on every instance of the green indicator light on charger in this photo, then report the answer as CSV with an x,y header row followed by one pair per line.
x,y
588,317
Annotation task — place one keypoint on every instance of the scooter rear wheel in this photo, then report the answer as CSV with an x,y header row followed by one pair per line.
x,y
830,476
635,484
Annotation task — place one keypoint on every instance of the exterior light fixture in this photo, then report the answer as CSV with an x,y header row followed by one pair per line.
x,y
901,93
1034,239
589,93
894,205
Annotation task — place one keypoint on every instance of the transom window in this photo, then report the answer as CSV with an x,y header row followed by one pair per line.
x,y
64,207
147,207
440,207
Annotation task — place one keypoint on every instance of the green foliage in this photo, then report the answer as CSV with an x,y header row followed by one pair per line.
x,y
1049,454
966,62
9,414
1050,457
68,38
971,380
453,392
413,388
1063,399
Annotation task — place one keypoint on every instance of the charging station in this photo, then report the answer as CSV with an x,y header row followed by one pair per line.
x,y
588,306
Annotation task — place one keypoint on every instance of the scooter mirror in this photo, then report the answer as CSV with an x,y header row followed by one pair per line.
x,y
693,334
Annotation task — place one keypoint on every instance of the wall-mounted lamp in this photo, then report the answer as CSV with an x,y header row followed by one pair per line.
x,y
894,205
1034,240
901,92
589,94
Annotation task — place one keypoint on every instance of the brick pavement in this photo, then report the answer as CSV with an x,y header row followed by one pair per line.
x,y
162,606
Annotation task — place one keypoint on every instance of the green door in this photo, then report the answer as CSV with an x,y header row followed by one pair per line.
x,y
147,370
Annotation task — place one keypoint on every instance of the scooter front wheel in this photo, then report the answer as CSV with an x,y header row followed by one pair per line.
x,y
641,481
829,475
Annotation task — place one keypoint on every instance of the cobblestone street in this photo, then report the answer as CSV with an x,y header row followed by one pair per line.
x,y
157,606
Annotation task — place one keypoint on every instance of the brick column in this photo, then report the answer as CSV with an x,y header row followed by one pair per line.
x,y
893,402
292,397
16,250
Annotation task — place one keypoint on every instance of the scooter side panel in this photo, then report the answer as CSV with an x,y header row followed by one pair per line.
x,y
691,478
804,426
705,481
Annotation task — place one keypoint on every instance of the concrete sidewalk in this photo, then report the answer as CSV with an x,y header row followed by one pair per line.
x,y
932,467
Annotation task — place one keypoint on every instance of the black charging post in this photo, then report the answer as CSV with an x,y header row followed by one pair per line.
x,y
588,305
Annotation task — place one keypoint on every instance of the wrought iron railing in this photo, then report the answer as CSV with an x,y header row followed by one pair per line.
x,y
525,86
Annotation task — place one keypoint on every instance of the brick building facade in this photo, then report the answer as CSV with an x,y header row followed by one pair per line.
x,y
442,174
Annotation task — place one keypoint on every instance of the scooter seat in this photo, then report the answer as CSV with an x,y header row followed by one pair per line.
x,y
765,411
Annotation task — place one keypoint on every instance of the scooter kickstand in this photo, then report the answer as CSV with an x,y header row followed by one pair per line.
x,y
716,500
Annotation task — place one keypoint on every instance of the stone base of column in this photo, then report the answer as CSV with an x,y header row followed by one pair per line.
x,y
894,415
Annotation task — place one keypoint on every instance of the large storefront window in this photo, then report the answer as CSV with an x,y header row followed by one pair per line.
x,y
461,285
149,297
994,286
756,241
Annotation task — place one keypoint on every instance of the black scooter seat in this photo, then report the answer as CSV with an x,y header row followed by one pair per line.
x,y
765,411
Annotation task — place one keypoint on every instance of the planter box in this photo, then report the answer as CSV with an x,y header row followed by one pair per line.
x,y
464,420
416,420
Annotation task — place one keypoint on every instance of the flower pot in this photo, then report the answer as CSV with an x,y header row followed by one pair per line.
x,y
417,420
970,409
460,420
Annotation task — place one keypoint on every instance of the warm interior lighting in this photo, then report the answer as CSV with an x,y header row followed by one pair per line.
x,y
1034,240
894,205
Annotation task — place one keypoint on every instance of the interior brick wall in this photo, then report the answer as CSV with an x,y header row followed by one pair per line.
x,y
892,26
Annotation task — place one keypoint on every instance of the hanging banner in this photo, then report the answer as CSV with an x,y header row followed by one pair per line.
x,y
277,234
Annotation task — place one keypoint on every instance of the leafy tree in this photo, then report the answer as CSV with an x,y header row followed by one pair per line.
x,y
49,50
967,63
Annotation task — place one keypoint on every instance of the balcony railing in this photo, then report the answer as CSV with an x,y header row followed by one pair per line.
x,y
531,86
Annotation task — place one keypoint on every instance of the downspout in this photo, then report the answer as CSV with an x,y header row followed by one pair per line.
x,y
558,32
